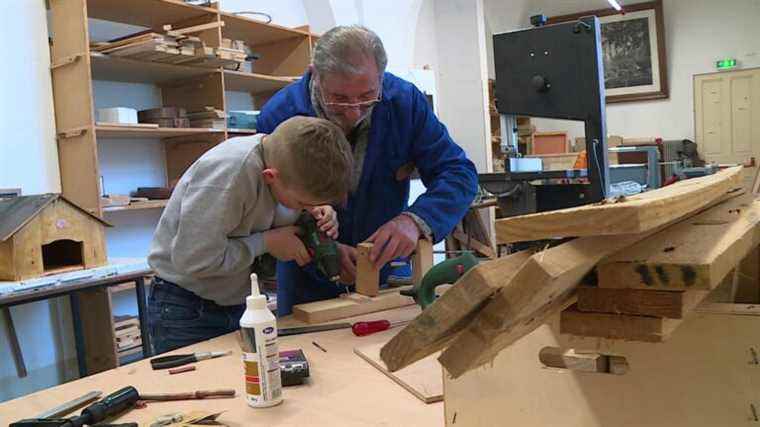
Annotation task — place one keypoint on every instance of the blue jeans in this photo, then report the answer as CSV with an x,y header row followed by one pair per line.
x,y
178,318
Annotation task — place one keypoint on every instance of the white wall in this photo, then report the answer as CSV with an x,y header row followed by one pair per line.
x,y
462,76
29,160
28,151
697,33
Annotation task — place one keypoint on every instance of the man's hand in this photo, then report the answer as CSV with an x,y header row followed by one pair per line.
x,y
327,220
283,243
347,263
397,237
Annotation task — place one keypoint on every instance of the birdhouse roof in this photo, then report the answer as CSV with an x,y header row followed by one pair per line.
x,y
16,212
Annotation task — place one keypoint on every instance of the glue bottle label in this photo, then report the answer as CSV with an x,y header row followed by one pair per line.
x,y
263,384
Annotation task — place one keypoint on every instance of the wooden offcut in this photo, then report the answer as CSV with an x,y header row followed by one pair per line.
x,y
629,215
554,357
340,308
422,260
367,276
423,379
694,254
642,302
439,323
616,326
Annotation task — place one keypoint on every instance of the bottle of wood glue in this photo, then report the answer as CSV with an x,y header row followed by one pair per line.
x,y
258,328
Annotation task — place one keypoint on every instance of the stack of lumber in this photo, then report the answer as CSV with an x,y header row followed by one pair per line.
x,y
177,47
165,117
682,239
127,333
209,117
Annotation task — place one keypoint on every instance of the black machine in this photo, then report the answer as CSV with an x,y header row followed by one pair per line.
x,y
550,71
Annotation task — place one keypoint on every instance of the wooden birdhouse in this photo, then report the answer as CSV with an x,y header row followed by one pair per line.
x,y
47,234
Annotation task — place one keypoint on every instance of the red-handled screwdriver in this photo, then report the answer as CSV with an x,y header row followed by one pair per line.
x,y
361,329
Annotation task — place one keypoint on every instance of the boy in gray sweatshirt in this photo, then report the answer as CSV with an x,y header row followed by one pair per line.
x,y
237,202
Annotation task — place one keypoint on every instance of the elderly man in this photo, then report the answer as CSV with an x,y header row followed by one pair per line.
x,y
392,130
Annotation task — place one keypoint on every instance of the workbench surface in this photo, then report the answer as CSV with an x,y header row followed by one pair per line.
x,y
343,388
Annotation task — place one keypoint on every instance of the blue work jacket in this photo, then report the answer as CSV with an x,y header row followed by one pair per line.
x,y
403,130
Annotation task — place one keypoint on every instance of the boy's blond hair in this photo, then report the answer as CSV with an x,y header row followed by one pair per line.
x,y
313,156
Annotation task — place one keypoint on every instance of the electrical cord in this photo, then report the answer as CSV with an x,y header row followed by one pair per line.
x,y
250,12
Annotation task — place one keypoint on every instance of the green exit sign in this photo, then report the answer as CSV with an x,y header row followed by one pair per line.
x,y
725,64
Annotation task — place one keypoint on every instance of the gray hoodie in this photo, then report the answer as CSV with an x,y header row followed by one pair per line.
x,y
212,228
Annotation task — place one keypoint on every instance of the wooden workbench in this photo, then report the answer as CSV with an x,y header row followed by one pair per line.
x,y
343,388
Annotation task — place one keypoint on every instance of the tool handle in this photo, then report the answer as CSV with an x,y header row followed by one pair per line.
x,y
200,394
113,404
361,329
166,362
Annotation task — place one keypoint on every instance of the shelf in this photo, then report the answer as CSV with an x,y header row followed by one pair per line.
x,y
239,81
241,131
145,13
136,133
150,204
105,67
254,32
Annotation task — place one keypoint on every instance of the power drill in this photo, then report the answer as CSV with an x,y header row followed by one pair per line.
x,y
322,249
113,404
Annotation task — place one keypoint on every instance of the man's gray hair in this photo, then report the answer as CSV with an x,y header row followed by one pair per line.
x,y
337,50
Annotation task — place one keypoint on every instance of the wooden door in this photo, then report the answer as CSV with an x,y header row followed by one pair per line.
x,y
727,121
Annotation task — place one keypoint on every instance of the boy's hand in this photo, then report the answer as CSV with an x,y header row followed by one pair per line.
x,y
327,220
283,243
347,263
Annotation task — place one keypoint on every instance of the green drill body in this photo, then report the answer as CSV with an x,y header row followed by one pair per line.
x,y
323,250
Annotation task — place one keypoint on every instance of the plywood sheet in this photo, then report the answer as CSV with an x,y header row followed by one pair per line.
x,y
424,379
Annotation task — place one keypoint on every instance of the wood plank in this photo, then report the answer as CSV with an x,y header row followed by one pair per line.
x,y
127,125
129,132
105,67
543,285
195,28
340,308
423,379
422,260
254,83
616,326
632,215
641,302
151,204
695,254
451,313
367,276
255,32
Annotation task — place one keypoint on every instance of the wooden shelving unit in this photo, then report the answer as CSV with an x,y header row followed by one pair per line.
x,y
127,132
254,83
284,55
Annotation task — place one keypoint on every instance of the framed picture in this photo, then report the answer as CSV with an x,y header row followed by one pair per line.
x,y
633,50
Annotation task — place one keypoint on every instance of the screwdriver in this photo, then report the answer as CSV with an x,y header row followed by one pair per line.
x,y
361,329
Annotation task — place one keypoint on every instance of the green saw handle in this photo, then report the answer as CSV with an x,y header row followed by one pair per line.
x,y
448,271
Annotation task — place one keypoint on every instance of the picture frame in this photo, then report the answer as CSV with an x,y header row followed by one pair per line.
x,y
633,49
